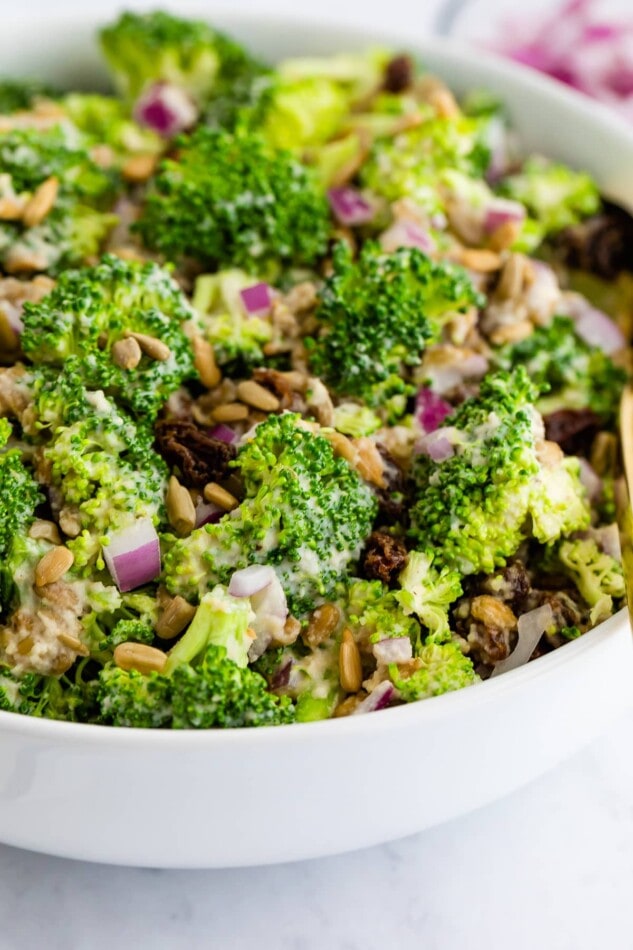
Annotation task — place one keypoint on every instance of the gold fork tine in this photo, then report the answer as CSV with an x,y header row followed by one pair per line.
x,y
626,514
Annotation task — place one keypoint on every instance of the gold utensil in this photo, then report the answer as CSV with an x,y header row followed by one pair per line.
x,y
626,513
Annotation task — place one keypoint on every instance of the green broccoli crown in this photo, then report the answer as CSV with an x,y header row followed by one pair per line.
x,y
372,606
571,373
305,511
428,593
78,222
144,48
555,196
558,503
411,165
472,506
48,697
105,468
597,575
132,699
117,618
442,669
233,200
19,493
90,310
19,94
379,312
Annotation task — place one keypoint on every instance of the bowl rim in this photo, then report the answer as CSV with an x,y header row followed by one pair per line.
x,y
448,704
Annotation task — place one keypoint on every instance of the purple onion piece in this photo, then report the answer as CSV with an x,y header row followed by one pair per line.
x,y
166,109
223,433
350,207
379,698
430,409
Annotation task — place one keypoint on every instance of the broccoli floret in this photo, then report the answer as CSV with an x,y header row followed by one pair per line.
x,y
356,420
472,507
48,697
146,48
117,618
19,493
379,312
19,94
428,593
555,196
233,200
104,120
90,310
379,612
237,338
79,220
442,669
202,687
597,575
103,467
571,373
305,511
412,164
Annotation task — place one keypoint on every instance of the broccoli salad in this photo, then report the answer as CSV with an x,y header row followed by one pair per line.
x,y
308,388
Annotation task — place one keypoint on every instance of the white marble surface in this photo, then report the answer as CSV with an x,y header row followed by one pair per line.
x,y
551,867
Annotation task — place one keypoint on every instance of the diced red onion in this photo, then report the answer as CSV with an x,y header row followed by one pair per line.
x,y
436,445
379,698
281,676
594,326
166,109
589,479
531,627
393,650
208,513
430,409
270,600
503,211
350,207
250,580
223,433
406,234
257,300
133,555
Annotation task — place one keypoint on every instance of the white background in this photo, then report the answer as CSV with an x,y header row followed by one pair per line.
x,y
550,867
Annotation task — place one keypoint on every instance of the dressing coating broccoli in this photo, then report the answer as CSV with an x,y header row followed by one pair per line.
x,y
233,200
91,310
428,593
379,312
305,512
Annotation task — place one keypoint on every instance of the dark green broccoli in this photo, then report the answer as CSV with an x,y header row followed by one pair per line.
x,y
79,220
90,311
472,505
117,618
571,373
67,697
206,683
19,94
378,314
305,511
233,200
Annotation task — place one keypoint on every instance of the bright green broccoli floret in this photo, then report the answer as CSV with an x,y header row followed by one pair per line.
x,y
555,196
305,511
202,686
472,507
573,374
597,575
79,221
104,120
356,420
237,337
103,468
19,493
379,611
443,669
233,200
412,164
91,309
19,94
117,618
428,593
379,312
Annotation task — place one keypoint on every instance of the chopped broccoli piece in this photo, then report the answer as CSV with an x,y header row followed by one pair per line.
x,y
19,94
597,575
90,310
379,312
48,697
79,220
555,196
379,612
133,699
571,373
472,507
305,511
232,200
117,618
220,620
428,593
442,669
19,493
356,420
237,338
104,120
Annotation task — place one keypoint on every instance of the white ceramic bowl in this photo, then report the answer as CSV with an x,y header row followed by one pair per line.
x,y
258,796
